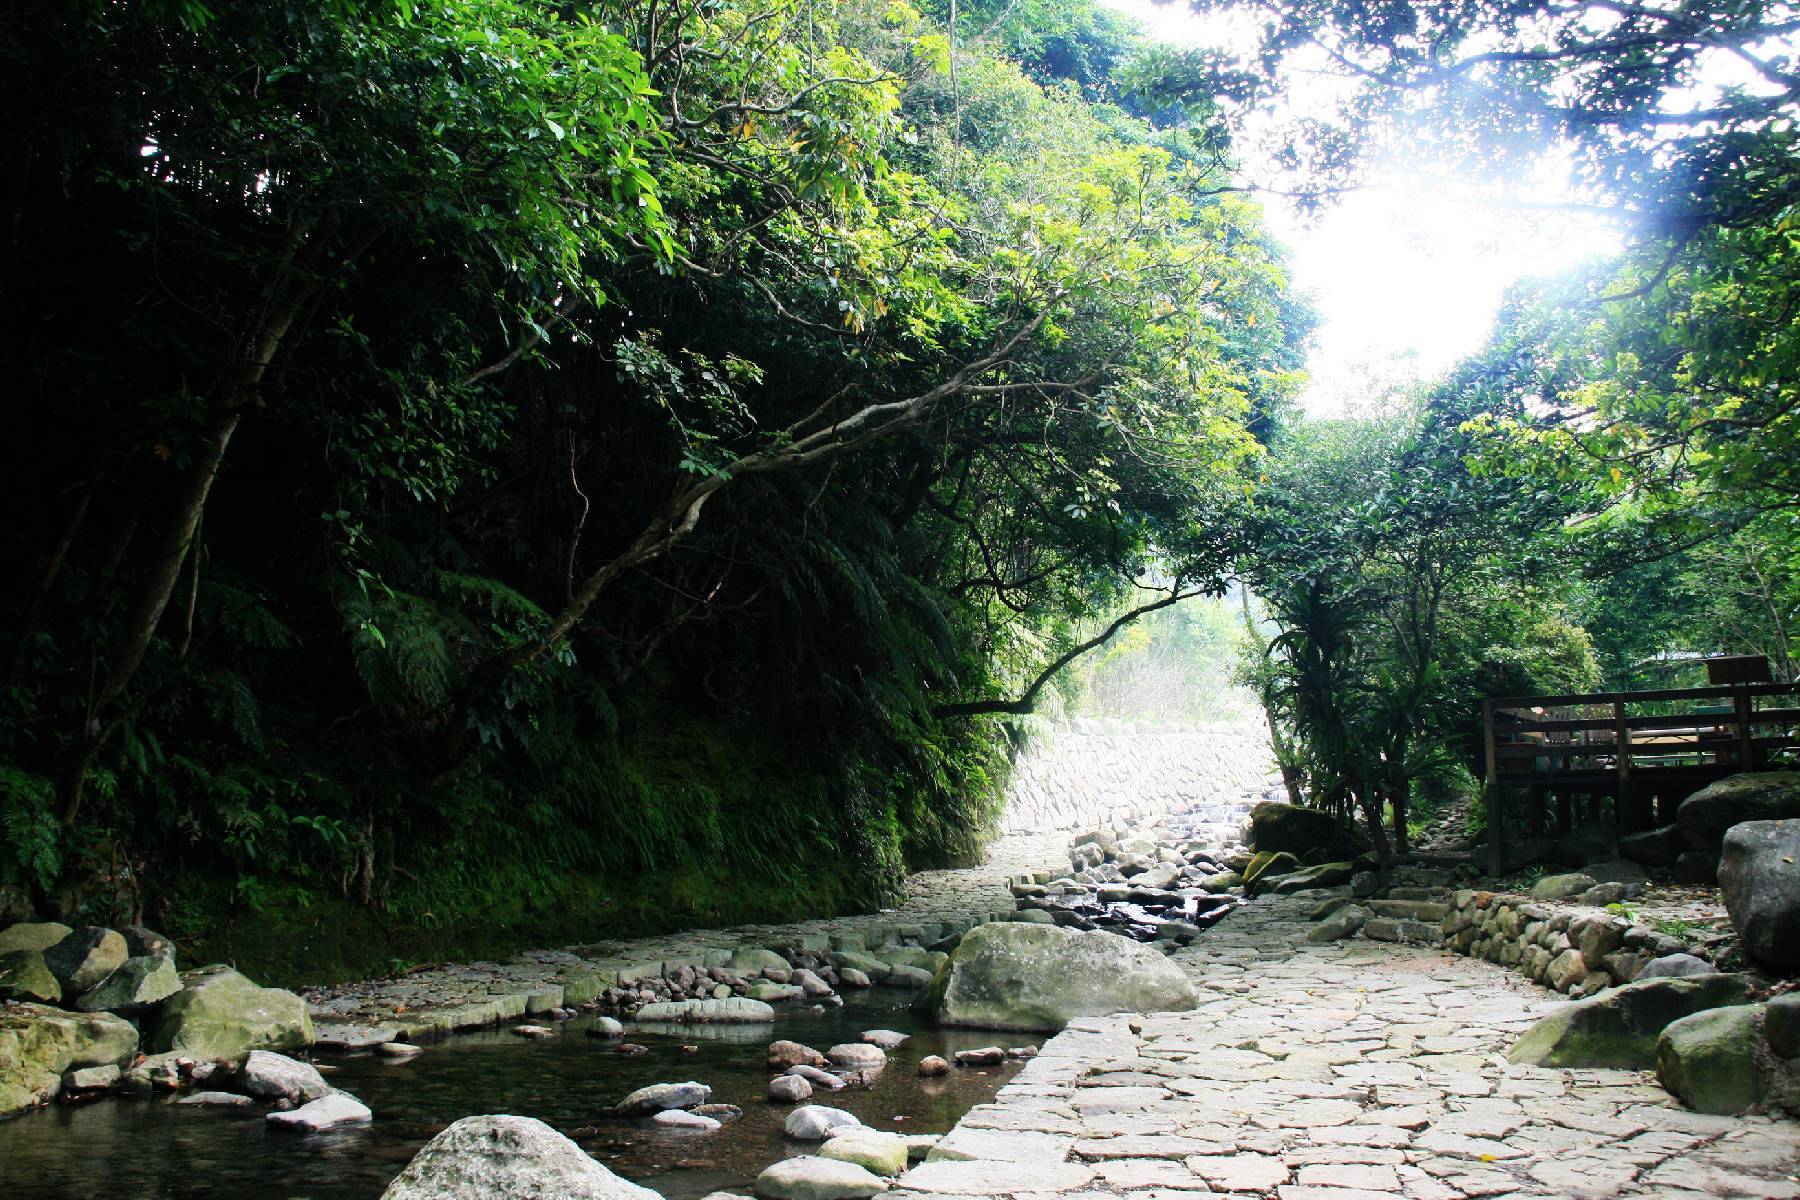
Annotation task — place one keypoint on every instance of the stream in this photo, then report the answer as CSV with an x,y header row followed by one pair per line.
x,y
156,1148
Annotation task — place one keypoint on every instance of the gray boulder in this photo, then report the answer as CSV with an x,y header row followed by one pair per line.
x,y
1709,1060
1781,1025
270,1076
789,1089
220,1015
1276,827
1341,923
1697,868
660,1096
1676,966
736,1010
39,1045
1761,884
1654,848
85,957
1007,975
141,942
507,1158
137,984
1704,816
1619,1026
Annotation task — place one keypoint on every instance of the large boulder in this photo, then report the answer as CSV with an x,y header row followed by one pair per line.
x,y
813,1178
1277,827
1653,848
1007,975
39,1045
1561,887
1709,1060
1761,884
1619,1027
137,984
85,957
1704,816
507,1158
220,1015
32,935
23,976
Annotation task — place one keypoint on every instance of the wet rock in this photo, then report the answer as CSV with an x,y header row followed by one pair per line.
x,y
84,958
507,1158
814,1178
660,1096
1619,1027
675,1118
328,1111
216,1100
859,1056
816,1077
785,1054
220,1015
789,1089
810,983
1760,881
738,1010
816,1122
605,1027
399,1050
39,1045
718,1112
532,1031
137,984
1033,977
985,1056
850,977
270,1076
932,1065
92,1079
1708,1060
886,1039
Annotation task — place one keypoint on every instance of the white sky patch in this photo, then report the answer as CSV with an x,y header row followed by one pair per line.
x,y
1406,274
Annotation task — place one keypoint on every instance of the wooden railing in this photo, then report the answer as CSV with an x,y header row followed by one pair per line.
x,y
1603,744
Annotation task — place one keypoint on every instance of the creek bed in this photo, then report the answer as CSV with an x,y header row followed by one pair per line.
x,y
155,1148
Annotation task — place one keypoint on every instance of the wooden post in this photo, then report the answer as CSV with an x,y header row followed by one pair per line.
x,y
1746,735
1627,799
1496,822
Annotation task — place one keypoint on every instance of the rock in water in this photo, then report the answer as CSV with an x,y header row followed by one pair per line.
x,y
219,1014
785,1054
38,1045
1708,1060
876,1152
84,958
789,1089
334,1108
738,1010
507,1158
858,1055
932,1065
813,1178
675,1118
135,986
1761,884
1704,816
277,1077
660,1096
815,1122
1006,975
1619,1027
887,1039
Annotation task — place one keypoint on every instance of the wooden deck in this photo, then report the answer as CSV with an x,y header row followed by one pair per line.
x,y
1646,751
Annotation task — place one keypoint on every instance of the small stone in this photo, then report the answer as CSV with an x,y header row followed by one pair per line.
x,y
789,1089
269,1076
816,1077
985,1056
876,1152
533,1031
675,1118
886,1039
216,1100
605,1027
932,1065
1676,966
857,1056
785,1054
814,1178
399,1050
816,1122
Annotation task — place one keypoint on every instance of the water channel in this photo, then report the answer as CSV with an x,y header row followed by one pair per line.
x,y
156,1148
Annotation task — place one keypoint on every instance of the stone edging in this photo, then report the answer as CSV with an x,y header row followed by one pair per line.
x,y
1575,950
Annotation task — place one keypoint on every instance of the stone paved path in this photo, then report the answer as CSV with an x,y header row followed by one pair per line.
x,y
1355,1071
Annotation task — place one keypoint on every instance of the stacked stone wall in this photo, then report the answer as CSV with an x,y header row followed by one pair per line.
x,y
1574,949
1093,774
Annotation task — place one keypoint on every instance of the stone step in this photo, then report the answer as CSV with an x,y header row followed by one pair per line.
x,y
1389,929
1429,911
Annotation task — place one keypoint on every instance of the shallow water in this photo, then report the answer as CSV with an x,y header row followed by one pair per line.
x,y
154,1148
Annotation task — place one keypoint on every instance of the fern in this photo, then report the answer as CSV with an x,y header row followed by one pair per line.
x,y
29,827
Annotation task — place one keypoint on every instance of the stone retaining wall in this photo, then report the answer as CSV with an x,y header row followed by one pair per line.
x,y
1094,774
1577,950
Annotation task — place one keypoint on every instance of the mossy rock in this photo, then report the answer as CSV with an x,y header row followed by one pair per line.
x,y
32,935
38,1045
221,1016
1324,875
1709,1060
23,976
135,986
868,964
1620,1026
1277,827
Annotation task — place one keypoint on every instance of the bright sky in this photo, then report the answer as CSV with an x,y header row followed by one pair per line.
x,y
1406,281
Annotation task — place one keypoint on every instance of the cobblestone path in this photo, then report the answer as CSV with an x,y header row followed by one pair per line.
x,y
1354,1071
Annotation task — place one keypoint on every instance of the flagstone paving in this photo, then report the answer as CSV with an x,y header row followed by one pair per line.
x,y
1354,1071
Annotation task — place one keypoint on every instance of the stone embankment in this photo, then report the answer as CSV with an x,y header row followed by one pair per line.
x,y
1094,774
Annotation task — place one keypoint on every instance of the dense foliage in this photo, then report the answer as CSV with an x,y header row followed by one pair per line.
x,y
491,470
